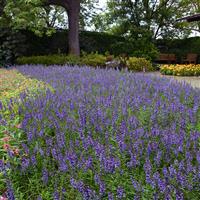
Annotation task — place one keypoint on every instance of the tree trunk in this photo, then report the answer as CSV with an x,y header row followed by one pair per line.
x,y
73,34
73,9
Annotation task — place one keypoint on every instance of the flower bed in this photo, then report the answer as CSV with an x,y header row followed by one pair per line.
x,y
181,70
12,85
107,135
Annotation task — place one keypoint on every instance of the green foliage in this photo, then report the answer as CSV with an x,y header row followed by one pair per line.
x,y
12,45
135,18
39,18
139,64
12,85
57,43
93,59
101,42
142,47
48,60
146,50
180,47
31,44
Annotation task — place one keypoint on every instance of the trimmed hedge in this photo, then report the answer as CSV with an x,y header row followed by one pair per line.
x,y
58,43
139,64
49,60
15,44
92,59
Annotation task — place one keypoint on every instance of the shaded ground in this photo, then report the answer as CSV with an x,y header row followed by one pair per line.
x,y
194,81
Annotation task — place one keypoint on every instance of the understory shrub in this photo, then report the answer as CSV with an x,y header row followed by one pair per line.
x,y
93,59
181,70
139,64
49,60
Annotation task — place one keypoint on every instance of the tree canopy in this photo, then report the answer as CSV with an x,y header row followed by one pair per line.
x,y
136,17
40,17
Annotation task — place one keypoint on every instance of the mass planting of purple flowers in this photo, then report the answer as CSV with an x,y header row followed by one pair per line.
x,y
105,134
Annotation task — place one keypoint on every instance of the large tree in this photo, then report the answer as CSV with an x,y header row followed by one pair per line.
x,y
37,14
73,9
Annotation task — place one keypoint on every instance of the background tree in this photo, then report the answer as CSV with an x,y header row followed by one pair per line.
x,y
36,15
132,17
2,5
73,10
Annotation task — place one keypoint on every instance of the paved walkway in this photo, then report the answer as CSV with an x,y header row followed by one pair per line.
x,y
193,80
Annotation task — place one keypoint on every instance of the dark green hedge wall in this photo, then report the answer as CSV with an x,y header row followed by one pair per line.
x,y
57,43
25,43
12,45
180,47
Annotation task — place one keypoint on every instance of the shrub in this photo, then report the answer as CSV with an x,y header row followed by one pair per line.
x,y
49,60
109,58
73,60
147,50
139,64
93,59
181,70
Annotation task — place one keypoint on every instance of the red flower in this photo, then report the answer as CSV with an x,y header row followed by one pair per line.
x,y
6,146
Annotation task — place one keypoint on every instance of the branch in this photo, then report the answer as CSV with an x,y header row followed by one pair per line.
x,y
52,23
153,8
157,32
190,29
